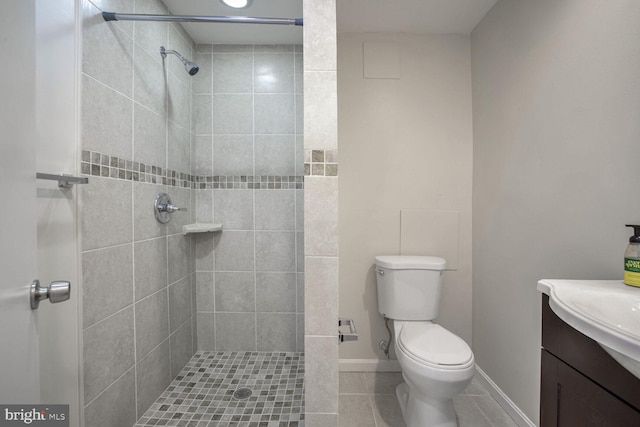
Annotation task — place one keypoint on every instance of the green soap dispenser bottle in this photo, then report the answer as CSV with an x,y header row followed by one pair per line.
x,y
632,258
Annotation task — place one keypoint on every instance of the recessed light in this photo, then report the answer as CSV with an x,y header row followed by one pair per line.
x,y
237,4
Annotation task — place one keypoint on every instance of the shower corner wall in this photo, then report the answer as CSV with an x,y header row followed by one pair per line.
x,y
248,177
139,293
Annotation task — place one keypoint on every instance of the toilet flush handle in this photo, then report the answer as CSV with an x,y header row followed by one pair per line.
x,y
380,272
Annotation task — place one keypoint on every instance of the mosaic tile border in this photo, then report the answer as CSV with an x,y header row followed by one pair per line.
x,y
321,162
99,164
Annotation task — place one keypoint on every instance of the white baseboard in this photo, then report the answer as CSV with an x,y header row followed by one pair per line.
x,y
369,365
503,400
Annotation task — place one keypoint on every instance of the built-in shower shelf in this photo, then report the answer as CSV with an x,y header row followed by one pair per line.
x,y
201,228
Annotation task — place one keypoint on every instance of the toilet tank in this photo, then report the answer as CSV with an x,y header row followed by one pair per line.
x,y
409,287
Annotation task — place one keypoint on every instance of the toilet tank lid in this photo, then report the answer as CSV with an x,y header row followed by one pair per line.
x,y
407,262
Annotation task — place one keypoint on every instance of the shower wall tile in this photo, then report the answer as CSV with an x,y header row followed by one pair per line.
x,y
178,256
148,33
274,48
300,332
178,43
321,209
275,251
150,266
233,73
234,251
235,292
149,137
274,113
178,101
153,376
206,332
106,119
275,210
202,159
107,52
233,114
298,73
276,331
204,206
202,82
275,155
106,213
232,155
149,81
205,291
202,119
204,252
178,147
108,352
234,209
276,292
321,288
152,317
300,251
107,282
235,331
145,224
321,374
179,303
204,48
300,293
116,406
273,73
182,349
321,96
320,37
299,119
299,210
232,48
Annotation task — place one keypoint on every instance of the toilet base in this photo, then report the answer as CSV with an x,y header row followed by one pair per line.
x,y
426,412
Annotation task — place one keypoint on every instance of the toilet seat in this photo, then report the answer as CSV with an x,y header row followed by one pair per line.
x,y
432,345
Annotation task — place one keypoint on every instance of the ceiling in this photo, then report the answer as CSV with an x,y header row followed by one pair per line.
x,y
206,33
398,16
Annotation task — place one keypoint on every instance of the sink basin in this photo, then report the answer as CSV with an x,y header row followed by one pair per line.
x,y
607,311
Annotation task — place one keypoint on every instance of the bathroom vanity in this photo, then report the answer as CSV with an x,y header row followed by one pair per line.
x,y
581,385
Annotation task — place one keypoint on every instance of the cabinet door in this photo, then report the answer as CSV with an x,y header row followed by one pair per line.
x,y
579,401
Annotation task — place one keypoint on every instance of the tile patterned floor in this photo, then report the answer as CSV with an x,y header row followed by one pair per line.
x,y
368,399
203,394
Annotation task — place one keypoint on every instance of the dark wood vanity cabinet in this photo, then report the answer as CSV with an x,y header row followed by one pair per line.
x,y
581,385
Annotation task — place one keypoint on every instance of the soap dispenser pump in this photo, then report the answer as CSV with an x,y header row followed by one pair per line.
x,y
632,258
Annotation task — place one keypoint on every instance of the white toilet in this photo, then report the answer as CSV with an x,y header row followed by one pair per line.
x,y
436,364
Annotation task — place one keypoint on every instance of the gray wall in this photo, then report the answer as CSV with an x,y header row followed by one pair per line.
x,y
138,275
556,114
247,120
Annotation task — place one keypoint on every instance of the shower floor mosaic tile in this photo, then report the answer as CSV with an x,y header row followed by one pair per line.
x,y
211,391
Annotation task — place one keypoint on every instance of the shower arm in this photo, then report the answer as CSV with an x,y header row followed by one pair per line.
x,y
112,16
164,52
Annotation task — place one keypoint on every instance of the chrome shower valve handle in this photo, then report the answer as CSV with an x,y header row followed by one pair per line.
x,y
163,206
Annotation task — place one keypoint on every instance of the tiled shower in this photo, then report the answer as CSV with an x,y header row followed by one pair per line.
x,y
227,145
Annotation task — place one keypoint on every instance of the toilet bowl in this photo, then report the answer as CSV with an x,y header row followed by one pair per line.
x,y
436,364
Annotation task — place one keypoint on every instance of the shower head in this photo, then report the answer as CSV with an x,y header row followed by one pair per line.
x,y
191,67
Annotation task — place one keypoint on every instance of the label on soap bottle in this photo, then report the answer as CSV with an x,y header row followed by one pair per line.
x,y
632,272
